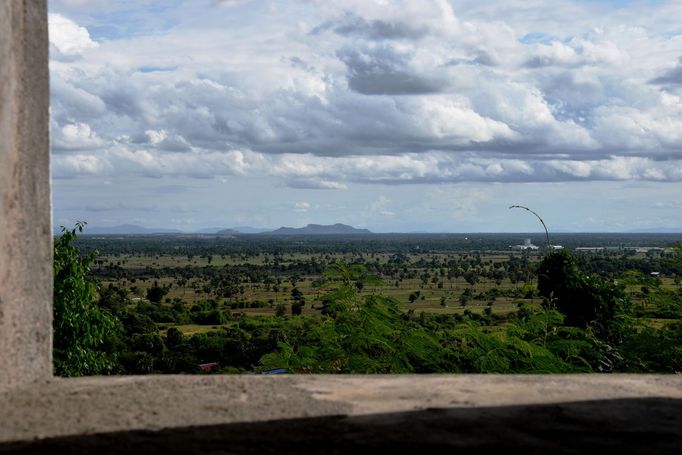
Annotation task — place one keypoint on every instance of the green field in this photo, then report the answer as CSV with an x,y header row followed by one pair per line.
x,y
440,294
380,304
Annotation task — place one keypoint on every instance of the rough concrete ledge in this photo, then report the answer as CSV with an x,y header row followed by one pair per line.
x,y
105,405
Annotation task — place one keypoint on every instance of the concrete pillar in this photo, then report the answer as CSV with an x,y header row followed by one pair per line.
x,y
25,218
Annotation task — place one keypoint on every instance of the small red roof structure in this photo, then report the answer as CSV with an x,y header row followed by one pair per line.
x,y
208,367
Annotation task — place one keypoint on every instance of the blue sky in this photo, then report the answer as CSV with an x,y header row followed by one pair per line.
x,y
406,115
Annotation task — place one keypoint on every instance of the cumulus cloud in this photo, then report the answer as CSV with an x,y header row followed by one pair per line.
x,y
315,172
377,29
328,94
80,164
383,71
75,136
427,16
577,52
67,39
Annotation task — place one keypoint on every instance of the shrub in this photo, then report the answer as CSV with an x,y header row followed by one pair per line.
x,y
80,325
586,301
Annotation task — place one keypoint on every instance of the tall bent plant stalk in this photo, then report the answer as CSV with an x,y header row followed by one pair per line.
x,y
549,246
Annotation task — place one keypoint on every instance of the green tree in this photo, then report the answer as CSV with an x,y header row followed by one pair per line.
x,y
156,293
586,301
356,275
280,310
174,337
80,326
297,308
296,294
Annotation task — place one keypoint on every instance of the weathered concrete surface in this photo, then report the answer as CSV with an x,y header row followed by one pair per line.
x,y
88,406
621,426
384,394
25,219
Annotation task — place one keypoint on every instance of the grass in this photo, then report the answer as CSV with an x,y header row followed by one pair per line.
x,y
189,329
429,300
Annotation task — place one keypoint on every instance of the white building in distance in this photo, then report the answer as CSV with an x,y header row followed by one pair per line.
x,y
527,245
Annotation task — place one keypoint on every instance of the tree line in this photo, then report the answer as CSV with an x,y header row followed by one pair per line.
x,y
586,323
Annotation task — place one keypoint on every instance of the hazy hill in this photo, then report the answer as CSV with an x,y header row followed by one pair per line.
x,y
319,229
232,230
227,232
250,229
211,230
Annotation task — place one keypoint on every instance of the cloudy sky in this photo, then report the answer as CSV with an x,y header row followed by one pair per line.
x,y
405,115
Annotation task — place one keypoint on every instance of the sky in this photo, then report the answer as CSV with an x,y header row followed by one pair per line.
x,y
396,116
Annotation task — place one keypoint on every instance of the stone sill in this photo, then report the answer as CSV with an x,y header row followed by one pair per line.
x,y
100,405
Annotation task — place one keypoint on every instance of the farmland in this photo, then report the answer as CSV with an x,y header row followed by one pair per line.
x,y
256,295
253,276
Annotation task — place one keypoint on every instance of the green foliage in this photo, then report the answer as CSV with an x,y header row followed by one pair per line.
x,y
297,308
362,335
174,337
535,344
583,327
663,304
351,274
81,327
156,293
586,301
376,337
369,334
212,317
677,258
655,350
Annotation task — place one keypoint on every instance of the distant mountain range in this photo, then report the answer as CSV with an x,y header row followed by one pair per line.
x,y
212,230
320,229
311,229
228,232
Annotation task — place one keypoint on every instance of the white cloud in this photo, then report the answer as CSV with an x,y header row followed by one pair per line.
x,y
577,52
314,184
68,38
75,136
70,166
380,207
301,207
329,94
307,171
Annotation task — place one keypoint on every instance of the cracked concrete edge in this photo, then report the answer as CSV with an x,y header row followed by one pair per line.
x,y
106,404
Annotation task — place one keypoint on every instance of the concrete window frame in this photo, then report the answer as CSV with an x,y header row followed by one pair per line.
x,y
34,404
25,204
